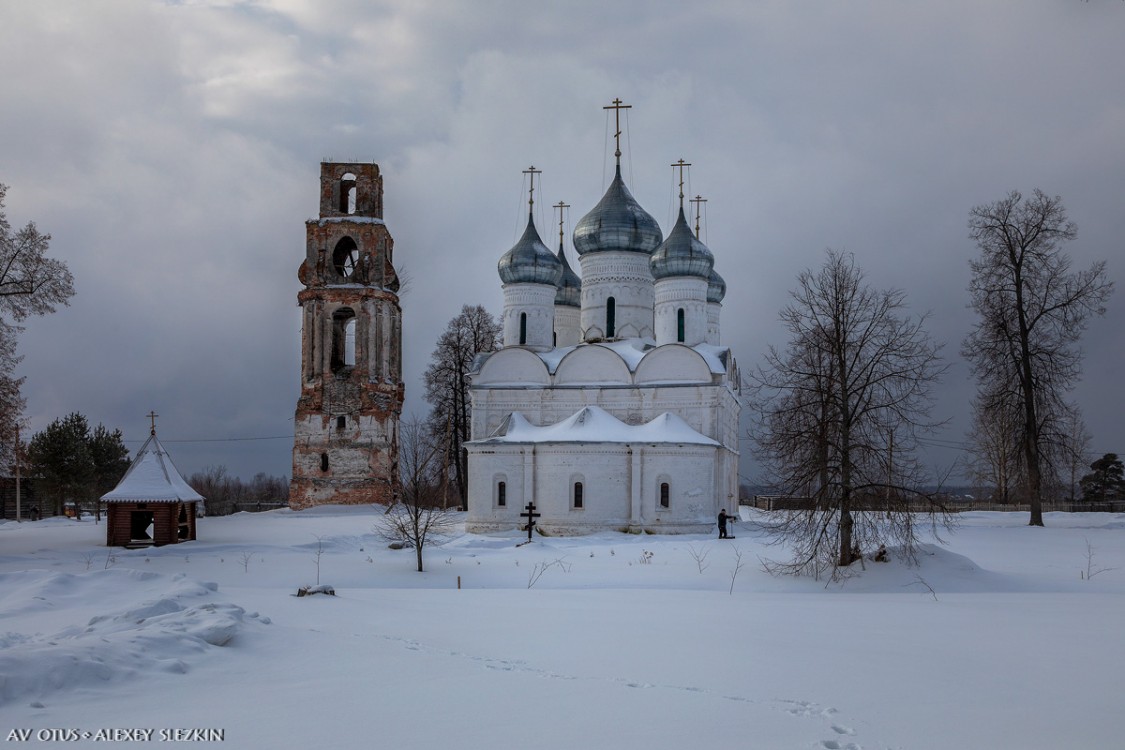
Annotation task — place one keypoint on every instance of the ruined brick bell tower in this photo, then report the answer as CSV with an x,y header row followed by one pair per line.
x,y
345,448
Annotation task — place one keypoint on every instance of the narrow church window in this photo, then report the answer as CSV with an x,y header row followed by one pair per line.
x,y
577,496
324,462
347,194
523,328
341,422
610,317
664,499
349,343
680,325
502,494
343,339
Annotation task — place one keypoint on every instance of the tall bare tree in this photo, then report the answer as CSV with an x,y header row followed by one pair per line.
x,y
838,415
473,331
420,517
1031,310
30,284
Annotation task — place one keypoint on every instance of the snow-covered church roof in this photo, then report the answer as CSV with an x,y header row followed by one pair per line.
x,y
152,478
592,424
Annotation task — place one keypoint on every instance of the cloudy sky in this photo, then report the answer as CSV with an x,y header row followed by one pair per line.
x,y
172,149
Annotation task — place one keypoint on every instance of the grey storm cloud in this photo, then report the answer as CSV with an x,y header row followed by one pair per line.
x,y
172,150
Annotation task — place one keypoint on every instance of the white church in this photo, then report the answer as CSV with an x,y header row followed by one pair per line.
x,y
612,404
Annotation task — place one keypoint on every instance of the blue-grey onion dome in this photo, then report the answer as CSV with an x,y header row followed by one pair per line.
x,y
716,287
570,286
682,254
617,223
529,261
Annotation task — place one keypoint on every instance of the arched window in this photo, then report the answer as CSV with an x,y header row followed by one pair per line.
x,y
345,258
502,494
523,328
324,462
349,343
665,500
347,194
343,339
680,325
341,422
610,317
577,497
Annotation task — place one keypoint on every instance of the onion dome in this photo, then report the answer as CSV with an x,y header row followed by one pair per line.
x,y
682,254
570,286
529,261
716,287
617,223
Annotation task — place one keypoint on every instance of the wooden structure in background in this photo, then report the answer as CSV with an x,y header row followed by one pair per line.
x,y
152,504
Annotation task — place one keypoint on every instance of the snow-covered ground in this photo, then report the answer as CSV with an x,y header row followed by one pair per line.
x,y
610,641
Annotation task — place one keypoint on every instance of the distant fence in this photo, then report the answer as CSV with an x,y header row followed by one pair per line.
x,y
954,504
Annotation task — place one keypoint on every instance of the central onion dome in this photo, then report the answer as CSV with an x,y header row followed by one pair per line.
x,y
617,223
529,261
570,286
682,254
716,287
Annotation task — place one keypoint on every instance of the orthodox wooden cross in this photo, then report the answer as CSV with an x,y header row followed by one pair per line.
x,y
530,515
152,415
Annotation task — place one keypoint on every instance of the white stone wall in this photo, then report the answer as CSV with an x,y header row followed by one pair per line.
x,y
681,293
621,486
627,278
537,302
567,325
714,312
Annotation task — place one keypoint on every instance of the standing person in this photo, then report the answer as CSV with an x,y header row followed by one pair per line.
x,y
723,518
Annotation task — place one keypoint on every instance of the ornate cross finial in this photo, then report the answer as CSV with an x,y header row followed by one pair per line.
x,y
152,415
681,164
698,200
531,193
617,106
560,206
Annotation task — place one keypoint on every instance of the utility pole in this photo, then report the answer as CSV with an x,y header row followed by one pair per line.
x,y
19,518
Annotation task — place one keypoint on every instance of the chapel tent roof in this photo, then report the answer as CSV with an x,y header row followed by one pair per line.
x,y
152,478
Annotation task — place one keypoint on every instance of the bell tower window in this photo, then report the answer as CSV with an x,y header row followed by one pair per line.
x,y
680,325
347,194
523,328
610,317
345,258
343,339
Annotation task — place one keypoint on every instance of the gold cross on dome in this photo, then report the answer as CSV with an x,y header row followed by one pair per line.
x,y
698,200
152,415
560,206
681,164
617,106
532,171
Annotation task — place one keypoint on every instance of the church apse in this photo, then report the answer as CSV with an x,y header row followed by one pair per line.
x,y
345,447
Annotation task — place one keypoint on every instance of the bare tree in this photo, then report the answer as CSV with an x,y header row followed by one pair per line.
x,y
473,331
30,284
994,458
1031,311
838,414
419,517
